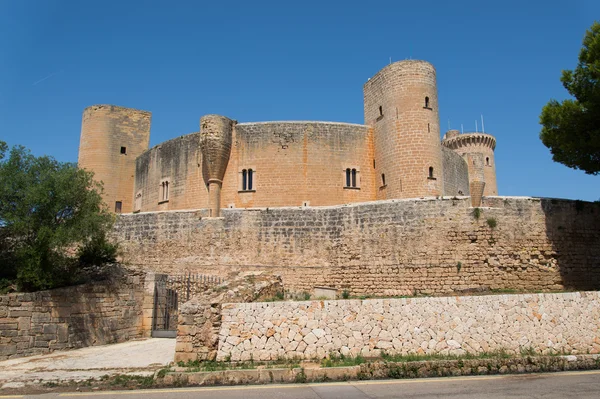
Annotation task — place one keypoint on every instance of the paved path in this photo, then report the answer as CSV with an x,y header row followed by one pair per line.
x,y
579,385
138,357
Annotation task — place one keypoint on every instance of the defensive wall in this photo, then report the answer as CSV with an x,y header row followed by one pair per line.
x,y
544,323
394,247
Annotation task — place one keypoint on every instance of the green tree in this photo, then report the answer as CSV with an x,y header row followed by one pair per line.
x,y
52,221
571,129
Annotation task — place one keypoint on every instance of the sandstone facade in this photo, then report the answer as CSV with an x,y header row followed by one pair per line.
x,y
111,140
544,323
396,153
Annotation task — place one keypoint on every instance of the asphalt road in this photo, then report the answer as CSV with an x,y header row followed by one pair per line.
x,y
580,385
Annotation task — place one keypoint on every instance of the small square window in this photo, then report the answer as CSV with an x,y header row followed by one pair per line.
x,y
124,150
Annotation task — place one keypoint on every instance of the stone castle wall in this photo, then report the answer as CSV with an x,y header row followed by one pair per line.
x,y
178,161
73,317
394,247
545,323
456,173
401,103
292,163
111,139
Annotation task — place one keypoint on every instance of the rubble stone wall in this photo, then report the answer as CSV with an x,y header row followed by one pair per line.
x,y
544,323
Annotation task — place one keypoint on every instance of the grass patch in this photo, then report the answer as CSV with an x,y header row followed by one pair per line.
x,y
500,354
343,361
135,380
197,365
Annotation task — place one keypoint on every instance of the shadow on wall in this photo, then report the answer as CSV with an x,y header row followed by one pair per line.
x,y
573,230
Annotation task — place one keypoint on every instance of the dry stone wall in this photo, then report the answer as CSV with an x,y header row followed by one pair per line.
x,y
72,317
394,247
545,323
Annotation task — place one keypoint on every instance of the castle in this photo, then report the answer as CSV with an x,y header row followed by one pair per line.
x,y
396,154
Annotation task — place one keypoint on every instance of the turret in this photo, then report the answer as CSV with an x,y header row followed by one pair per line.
x,y
401,104
215,144
112,138
478,151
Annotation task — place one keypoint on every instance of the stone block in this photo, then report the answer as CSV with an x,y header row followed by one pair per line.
x,y
7,350
19,313
62,333
49,329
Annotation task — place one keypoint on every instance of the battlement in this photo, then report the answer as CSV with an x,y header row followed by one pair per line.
x,y
115,108
455,142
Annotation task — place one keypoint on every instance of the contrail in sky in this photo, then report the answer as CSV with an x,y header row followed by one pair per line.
x,y
47,77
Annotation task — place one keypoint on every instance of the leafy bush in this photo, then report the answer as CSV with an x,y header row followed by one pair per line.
x,y
52,221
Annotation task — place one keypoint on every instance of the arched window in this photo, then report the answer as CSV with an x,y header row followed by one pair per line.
x,y
383,179
353,177
426,102
348,177
244,180
431,172
487,161
250,179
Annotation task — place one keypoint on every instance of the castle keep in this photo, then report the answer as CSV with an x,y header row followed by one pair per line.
x,y
396,154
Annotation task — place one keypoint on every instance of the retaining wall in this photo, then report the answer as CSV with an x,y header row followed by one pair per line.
x,y
544,323
74,317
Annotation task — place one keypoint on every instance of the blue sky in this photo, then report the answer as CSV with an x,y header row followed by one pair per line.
x,y
278,60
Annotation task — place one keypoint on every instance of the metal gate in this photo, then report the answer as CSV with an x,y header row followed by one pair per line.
x,y
164,320
169,292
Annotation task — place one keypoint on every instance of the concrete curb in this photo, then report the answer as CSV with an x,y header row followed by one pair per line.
x,y
383,370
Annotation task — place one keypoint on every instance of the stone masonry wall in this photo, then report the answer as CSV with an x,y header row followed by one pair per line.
x,y
111,139
456,173
179,162
394,247
72,317
546,323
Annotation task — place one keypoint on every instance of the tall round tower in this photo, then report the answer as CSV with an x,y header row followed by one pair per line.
x,y
112,138
401,104
478,151
215,144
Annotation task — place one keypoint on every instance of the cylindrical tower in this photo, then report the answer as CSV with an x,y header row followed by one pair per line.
x,y
215,144
401,103
478,150
112,138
